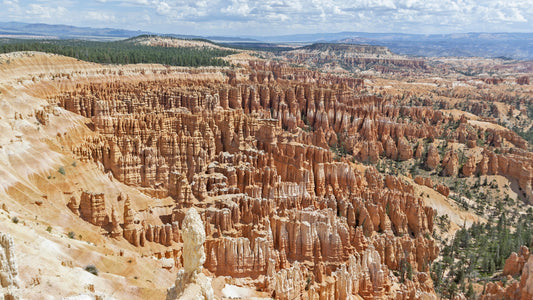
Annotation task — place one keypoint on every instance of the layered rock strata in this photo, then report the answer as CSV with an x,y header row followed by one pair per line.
x,y
267,156
92,208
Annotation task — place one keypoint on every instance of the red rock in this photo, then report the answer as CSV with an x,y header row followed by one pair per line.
x,y
92,208
524,80
74,206
514,264
469,167
443,190
253,152
405,151
450,164
433,157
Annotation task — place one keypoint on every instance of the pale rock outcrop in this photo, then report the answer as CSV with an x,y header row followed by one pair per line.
x,y
191,283
289,283
116,230
132,232
363,275
8,267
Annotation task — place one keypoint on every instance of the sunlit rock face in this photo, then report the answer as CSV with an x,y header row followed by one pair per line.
x,y
268,155
191,283
296,177
9,280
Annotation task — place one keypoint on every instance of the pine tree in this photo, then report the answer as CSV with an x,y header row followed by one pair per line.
x,y
470,293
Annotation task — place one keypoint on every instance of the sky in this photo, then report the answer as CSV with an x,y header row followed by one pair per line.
x,y
279,17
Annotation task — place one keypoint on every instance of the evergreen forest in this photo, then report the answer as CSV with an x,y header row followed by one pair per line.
x,y
121,52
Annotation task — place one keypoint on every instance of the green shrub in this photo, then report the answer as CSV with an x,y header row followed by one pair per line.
x,y
92,269
61,170
15,220
71,234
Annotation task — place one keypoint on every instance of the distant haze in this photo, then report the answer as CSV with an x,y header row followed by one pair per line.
x,y
278,17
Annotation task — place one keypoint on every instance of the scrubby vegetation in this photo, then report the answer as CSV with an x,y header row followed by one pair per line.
x,y
121,52
92,269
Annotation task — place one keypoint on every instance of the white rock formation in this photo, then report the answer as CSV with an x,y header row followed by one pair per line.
x,y
289,283
191,283
8,267
363,273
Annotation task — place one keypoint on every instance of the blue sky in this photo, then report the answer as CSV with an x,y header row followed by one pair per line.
x,y
275,17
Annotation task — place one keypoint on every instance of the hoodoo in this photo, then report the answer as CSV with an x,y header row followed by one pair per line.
x,y
329,171
191,283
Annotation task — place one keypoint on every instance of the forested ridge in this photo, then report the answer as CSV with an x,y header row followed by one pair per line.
x,y
120,52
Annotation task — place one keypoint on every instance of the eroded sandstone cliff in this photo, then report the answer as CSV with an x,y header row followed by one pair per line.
x,y
276,160
254,154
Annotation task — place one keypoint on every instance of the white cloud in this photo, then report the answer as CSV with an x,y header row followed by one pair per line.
x,y
163,8
140,2
269,17
11,5
45,12
237,7
101,16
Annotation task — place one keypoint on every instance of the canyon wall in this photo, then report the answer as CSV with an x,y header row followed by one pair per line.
x,y
269,156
